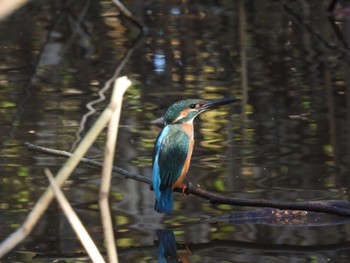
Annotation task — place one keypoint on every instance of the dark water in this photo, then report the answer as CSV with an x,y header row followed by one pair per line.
x,y
287,139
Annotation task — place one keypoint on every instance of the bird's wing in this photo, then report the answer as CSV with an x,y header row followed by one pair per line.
x,y
172,153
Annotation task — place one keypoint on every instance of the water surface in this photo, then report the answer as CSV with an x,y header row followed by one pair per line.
x,y
287,140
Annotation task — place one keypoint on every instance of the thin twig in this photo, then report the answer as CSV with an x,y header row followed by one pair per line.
x,y
335,207
74,220
87,161
120,86
122,8
343,52
77,26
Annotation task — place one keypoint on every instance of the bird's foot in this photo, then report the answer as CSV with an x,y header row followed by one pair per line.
x,y
188,250
184,187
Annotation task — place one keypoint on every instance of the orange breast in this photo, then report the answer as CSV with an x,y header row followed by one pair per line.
x,y
188,127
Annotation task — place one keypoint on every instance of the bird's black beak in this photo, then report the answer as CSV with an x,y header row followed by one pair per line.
x,y
212,104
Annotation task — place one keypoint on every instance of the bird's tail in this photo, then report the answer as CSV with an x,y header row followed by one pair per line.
x,y
164,204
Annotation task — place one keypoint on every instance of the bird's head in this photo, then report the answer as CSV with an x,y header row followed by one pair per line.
x,y
186,110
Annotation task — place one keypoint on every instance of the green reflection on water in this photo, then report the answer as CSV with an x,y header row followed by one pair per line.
x,y
124,242
225,207
328,149
121,220
7,104
118,196
219,185
23,171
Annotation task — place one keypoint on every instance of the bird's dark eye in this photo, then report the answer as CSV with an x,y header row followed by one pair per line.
x,y
193,106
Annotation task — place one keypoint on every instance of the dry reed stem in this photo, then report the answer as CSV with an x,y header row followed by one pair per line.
x,y
63,174
7,7
75,222
120,86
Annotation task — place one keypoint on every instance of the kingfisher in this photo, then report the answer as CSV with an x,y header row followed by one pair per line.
x,y
173,148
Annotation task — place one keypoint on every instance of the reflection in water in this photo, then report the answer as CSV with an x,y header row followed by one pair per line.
x,y
167,248
292,145
167,251
159,63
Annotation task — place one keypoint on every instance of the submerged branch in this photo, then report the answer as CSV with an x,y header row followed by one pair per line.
x,y
101,93
335,207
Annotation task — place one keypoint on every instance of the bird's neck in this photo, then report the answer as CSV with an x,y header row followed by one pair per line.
x,y
188,128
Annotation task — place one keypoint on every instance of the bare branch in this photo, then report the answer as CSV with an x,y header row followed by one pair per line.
x,y
335,207
90,162
128,14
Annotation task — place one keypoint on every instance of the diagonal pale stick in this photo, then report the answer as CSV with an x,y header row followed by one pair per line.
x,y
75,222
62,175
9,6
120,86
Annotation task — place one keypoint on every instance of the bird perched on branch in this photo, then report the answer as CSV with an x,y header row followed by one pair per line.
x,y
173,148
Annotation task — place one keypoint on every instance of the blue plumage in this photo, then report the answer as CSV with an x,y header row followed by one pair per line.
x,y
165,202
156,170
169,157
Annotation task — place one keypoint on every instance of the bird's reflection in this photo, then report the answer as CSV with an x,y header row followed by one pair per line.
x,y
167,249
